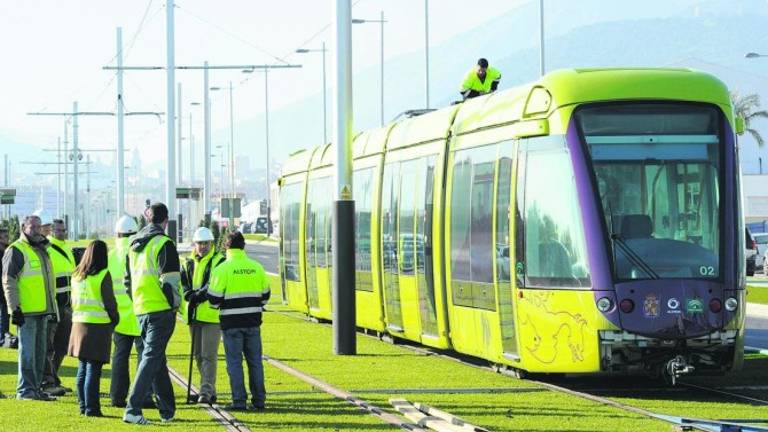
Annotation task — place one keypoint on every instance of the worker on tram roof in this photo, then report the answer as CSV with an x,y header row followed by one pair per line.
x,y
480,80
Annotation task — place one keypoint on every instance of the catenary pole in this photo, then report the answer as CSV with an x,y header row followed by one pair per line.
x,y
426,50
344,342
266,140
120,129
58,177
75,160
542,69
170,175
325,103
207,144
67,214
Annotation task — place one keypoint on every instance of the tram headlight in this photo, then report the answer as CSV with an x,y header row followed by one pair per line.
x,y
627,305
731,304
715,305
604,304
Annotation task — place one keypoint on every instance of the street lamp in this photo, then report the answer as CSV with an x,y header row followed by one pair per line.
x,y
754,55
381,21
325,104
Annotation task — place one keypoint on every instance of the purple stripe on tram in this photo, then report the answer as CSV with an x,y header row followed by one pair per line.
x,y
594,232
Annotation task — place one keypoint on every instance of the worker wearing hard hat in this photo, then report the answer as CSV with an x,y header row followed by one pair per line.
x,y
203,320
480,80
127,332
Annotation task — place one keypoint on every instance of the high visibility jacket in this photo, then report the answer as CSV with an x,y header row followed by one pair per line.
x,y
129,324
63,263
87,302
472,82
239,288
31,280
200,269
146,287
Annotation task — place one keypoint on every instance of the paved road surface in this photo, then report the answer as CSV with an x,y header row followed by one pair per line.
x,y
266,253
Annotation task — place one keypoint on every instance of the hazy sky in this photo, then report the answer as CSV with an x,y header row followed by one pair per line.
x,y
53,53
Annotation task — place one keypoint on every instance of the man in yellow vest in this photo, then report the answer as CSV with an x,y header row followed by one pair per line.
x,y
58,333
480,80
127,332
239,288
30,290
203,320
152,278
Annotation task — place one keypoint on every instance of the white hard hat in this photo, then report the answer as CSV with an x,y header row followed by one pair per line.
x,y
202,234
126,225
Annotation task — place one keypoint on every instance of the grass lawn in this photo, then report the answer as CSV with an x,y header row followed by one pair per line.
x,y
757,294
258,237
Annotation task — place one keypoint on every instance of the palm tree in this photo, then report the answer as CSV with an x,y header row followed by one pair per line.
x,y
748,108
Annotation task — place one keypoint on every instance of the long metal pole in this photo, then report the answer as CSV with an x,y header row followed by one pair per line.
x,y
191,152
120,129
87,214
207,145
179,139
231,159
6,179
58,177
170,175
66,174
426,49
75,157
325,102
381,19
542,69
343,228
266,140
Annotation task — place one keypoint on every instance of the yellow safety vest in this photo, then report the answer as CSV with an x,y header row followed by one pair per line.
x,y
129,324
63,262
472,82
31,281
87,302
203,312
147,292
242,282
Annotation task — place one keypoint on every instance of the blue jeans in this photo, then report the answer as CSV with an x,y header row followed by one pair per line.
x,y
87,382
121,376
152,374
33,337
247,341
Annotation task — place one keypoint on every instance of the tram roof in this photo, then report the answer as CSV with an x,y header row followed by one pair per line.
x,y
576,86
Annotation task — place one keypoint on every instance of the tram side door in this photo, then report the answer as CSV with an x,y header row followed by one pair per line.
x,y
503,230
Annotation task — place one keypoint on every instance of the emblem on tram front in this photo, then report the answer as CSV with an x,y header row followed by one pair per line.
x,y
651,306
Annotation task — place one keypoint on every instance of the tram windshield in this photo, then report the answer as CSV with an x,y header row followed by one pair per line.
x,y
658,168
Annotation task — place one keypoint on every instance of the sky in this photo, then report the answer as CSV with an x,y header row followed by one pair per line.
x,y
53,54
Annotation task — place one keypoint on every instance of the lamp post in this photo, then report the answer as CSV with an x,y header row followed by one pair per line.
x,y
750,55
426,50
325,103
381,21
542,69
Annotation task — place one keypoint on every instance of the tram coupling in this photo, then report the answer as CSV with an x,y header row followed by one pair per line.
x,y
676,368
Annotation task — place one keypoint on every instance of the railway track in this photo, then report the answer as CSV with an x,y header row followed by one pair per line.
x,y
593,394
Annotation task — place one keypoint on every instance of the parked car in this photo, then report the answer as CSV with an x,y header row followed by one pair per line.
x,y
762,247
750,253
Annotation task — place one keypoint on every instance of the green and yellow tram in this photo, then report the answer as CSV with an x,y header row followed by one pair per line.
x,y
586,222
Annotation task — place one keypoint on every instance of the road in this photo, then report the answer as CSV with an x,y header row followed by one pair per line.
x,y
265,253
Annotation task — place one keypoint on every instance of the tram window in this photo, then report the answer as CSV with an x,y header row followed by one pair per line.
x,y
555,250
409,174
502,219
321,204
363,190
424,257
472,228
291,198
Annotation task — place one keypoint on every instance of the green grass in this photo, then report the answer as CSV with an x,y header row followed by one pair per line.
x,y
258,237
83,243
757,294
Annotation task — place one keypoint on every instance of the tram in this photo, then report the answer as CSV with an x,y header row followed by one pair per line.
x,y
588,222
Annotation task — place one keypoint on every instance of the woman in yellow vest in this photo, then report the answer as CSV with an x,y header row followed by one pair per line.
x,y
94,316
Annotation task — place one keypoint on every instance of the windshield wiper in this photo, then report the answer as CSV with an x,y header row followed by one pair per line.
x,y
617,239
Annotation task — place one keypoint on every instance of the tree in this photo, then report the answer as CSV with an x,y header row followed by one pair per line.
x,y
748,108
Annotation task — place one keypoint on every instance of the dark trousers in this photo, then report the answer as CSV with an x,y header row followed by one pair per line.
x,y
152,375
121,376
88,380
5,319
58,342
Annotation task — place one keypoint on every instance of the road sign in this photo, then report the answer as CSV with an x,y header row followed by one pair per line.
x,y
230,207
7,196
188,193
